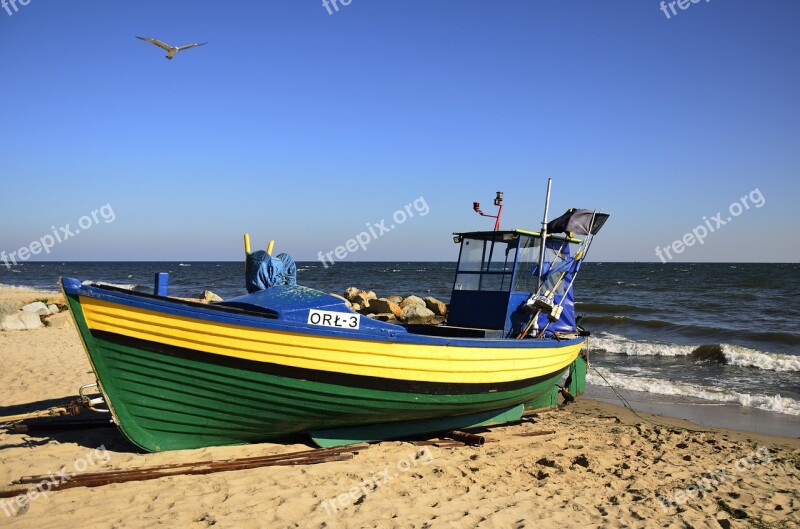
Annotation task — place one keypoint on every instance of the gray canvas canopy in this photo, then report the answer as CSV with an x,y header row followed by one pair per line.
x,y
578,221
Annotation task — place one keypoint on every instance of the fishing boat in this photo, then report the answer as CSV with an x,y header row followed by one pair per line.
x,y
288,360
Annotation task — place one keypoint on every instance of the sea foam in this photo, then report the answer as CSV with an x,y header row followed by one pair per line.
x,y
774,403
735,355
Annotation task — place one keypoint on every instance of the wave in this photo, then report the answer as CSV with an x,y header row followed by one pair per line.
x,y
614,344
737,355
650,324
729,354
612,308
773,403
183,264
26,288
693,329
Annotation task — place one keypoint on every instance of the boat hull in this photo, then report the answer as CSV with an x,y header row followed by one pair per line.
x,y
186,377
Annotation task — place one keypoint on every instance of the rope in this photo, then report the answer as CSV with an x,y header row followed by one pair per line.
x,y
73,408
627,405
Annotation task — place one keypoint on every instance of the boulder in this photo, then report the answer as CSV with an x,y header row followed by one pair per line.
x,y
21,321
395,299
355,306
395,309
390,318
361,298
371,295
37,307
416,314
351,293
209,296
436,306
53,308
12,322
60,320
412,300
31,321
384,306
346,301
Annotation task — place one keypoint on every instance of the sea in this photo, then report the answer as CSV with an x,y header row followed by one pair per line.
x,y
712,333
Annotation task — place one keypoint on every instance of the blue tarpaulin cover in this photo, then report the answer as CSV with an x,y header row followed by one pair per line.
x,y
263,271
570,265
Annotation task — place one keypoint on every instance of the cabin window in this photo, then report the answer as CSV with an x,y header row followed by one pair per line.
x,y
528,260
554,256
486,264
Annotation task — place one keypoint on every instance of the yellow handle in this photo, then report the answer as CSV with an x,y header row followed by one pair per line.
x,y
270,246
246,244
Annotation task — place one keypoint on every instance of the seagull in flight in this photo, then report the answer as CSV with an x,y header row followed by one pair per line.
x,y
171,50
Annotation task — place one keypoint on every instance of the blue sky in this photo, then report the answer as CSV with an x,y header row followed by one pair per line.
x,y
303,126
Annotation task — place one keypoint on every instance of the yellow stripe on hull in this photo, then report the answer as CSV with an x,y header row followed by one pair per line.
x,y
400,361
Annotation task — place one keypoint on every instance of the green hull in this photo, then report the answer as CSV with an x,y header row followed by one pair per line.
x,y
576,387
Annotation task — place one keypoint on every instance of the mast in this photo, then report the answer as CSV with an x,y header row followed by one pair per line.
x,y
544,233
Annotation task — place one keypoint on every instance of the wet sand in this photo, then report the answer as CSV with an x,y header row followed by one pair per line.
x,y
704,413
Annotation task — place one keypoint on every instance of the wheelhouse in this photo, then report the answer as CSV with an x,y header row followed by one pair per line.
x,y
498,271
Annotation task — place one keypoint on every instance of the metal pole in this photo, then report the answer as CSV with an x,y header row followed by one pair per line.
x,y
544,232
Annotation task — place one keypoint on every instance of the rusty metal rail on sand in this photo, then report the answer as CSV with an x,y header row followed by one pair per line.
x,y
97,479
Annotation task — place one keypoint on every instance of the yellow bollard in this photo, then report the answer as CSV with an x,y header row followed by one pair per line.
x,y
270,246
246,244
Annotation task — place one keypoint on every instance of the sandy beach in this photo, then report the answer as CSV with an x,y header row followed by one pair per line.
x,y
602,466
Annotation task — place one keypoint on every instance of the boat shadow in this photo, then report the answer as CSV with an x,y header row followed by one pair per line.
x,y
88,429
